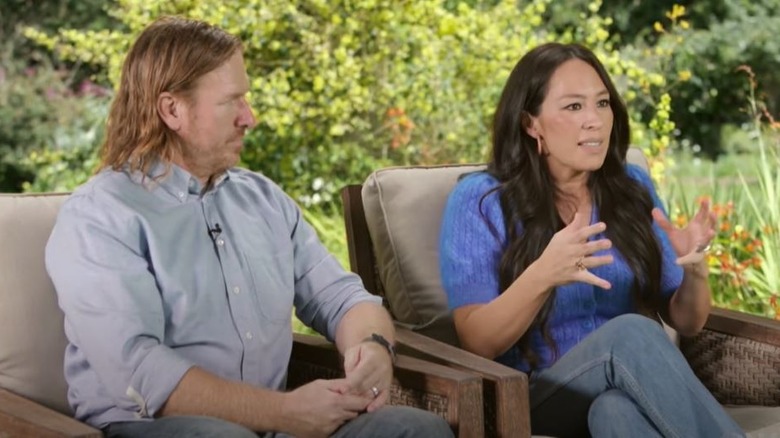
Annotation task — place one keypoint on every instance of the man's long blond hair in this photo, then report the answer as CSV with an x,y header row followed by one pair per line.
x,y
170,55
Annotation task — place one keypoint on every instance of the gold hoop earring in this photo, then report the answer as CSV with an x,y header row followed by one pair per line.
x,y
539,145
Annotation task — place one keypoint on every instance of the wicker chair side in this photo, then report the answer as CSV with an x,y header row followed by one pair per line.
x,y
735,369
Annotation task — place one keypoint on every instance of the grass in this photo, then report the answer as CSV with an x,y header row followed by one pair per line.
x,y
332,233
744,188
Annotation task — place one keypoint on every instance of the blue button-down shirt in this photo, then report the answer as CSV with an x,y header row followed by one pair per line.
x,y
155,277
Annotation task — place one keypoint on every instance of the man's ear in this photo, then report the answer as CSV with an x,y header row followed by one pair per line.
x,y
169,107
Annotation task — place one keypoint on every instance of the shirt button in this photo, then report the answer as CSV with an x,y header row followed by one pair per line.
x,y
249,335
236,290
220,242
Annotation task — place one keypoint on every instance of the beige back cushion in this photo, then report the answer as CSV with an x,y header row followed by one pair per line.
x,y
403,207
32,338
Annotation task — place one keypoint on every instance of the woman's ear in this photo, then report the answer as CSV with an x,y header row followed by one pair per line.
x,y
529,124
170,110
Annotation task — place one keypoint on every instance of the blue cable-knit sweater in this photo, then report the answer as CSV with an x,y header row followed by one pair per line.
x,y
471,245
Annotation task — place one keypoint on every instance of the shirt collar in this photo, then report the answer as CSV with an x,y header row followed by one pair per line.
x,y
178,182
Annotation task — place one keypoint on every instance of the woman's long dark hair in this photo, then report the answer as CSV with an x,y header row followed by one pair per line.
x,y
528,193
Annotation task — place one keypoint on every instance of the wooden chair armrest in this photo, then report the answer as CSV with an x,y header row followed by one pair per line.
x,y
737,357
453,394
507,407
743,325
20,417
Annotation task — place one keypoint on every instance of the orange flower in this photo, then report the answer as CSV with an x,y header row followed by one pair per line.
x,y
717,209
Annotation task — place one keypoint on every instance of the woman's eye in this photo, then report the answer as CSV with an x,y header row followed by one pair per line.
x,y
574,106
603,103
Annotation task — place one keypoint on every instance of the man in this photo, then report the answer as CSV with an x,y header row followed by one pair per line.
x,y
178,273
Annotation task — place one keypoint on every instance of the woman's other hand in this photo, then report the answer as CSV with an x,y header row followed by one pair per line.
x,y
691,242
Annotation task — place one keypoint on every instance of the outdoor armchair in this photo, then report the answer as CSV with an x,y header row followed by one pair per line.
x,y
32,343
393,222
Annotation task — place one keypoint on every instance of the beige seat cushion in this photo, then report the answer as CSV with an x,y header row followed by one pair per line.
x,y
32,338
757,421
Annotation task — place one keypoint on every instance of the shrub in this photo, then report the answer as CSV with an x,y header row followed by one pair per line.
x,y
41,114
71,154
343,87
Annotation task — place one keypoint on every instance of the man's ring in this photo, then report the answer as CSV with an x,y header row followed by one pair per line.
x,y
580,266
704,247
375,390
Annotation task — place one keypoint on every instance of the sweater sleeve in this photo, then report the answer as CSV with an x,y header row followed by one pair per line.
x,y
471,242
671,272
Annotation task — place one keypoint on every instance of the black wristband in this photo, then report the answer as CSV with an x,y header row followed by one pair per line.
x,y
379,339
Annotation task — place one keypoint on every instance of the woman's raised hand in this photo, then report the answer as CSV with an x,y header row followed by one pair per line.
x,y
569,256
690,243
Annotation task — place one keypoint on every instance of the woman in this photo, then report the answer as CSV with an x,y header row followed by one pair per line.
x,y
558,261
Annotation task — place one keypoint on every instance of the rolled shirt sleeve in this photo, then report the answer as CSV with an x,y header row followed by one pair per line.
x,y
324,291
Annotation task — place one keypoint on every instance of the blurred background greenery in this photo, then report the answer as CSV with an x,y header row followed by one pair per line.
x,y
343,87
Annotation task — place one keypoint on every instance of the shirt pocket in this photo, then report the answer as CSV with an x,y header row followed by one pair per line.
x,y
272,281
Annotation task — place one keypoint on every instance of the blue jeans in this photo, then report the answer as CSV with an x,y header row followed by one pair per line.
x,y
626,379
388,422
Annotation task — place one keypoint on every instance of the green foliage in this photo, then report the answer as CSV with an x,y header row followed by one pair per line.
x,y
344,87
765,203
47,16
745,255
53,14
40,114
25,118
733,258
43,102
71,155
330,229
703,62
715,93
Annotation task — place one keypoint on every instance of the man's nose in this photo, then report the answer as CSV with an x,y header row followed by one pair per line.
x,y
246,118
